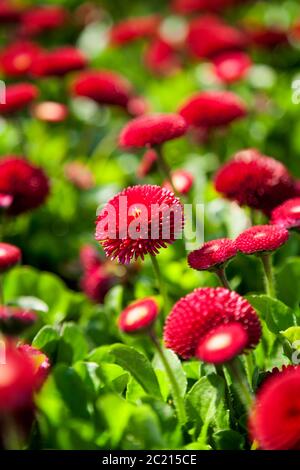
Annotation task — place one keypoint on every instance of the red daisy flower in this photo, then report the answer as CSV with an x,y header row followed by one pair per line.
x,y
287,214
10,255
209,35
138,221
266,37
191,6
152,129
254,180
138,316
261,238
212,254
147,163
213,108
17,379
50,111
232,66
17,97
182,181
196,320
104,87
16,60
161,58
89,257
275,419
9,13
40,361
15,320
26,183
131,29
137,106
96,282
42,19
58,62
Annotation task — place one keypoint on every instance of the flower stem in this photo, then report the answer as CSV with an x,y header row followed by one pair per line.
x,y
1,290
240,382
178,400
220,272
266,260
164,168
161,284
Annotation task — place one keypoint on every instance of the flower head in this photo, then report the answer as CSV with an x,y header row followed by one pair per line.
x,y
287,214
182,181
232,66
26,183
275,418
42,19
9,13
50,111
40,361
212,254
58,62
213,108
138,221
254,180
131,29
261,238
161,58
104,87
195,324
18,96
138,316
15,320
17,58
152,129
10,255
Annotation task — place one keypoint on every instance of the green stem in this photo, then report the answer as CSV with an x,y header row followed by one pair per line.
x,y
161,284
220,272
240,383
1,290
178,400
21,135
266,260
164,168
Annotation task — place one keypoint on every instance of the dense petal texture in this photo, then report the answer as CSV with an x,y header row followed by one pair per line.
x,y
104,87
261,238
275,417
132,29
212,254
17,97
26,183
152,129
10,255
138,316
16,59
254,180
15,320
287,214
138,221
196,315
213,108
58,62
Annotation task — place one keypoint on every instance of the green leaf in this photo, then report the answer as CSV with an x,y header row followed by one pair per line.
x,y
116,412
229,440
288,278
30,303
292,334
276,314
46,340
176,367
73,346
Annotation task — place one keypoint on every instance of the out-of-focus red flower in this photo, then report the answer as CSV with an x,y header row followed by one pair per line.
x,y
104,87
17,97
255,180
232,66
80,175
40,361
138,316
26,183
209,35
139,221
213,108
182,181
50,111
137,106
9,13
17,58
58,62
152,129
196,320
131,29
275,418
287,214
15,320
89,257
212,254
10,255
191,6
267,37
42,19
261,238
6,201
147,162
161,58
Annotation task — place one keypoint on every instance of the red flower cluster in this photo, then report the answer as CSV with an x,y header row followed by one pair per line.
x,y
154,214
96,280
213,108
16,60
275,417
151,130
50,111
287,214
132,29
10,255
58,62
196,320
209,35
261,238
254,180
42,19
104,87
182,181
15,320
232,66
138,316
212,254
18,96
27,184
